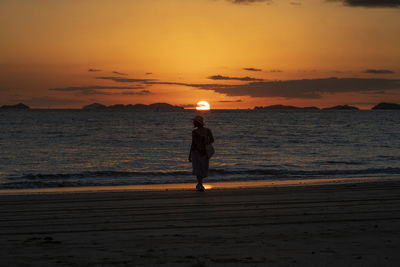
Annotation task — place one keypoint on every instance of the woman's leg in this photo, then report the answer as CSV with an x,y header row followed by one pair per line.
x,y
200,186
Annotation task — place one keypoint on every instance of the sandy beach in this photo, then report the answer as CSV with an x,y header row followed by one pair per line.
x,y
335,224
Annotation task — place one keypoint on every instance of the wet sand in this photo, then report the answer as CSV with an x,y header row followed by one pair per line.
x,y
333,224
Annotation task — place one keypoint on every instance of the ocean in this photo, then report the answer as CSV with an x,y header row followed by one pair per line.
x,y
73,148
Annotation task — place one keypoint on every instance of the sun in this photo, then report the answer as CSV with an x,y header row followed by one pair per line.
x,y
203,105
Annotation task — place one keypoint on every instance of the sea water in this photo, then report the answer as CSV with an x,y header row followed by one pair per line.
x,y
63,148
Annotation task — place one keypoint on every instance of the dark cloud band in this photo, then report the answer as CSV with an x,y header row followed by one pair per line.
x,y
230,101
374,71
369,3
247,2
306,88
124,80
252,69
119,73
95,87
103,90
142,92
246,79
99,92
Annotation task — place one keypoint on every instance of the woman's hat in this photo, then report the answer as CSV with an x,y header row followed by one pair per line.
x,y
199,119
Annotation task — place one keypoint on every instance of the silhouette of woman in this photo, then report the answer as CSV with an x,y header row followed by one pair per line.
x,y
201,136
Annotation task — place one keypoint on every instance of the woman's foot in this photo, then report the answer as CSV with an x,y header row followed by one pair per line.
x,y
200,187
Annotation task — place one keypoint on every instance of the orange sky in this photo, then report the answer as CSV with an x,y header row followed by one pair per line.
x,y
48,48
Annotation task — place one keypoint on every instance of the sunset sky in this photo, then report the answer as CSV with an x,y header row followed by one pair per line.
x,y
234,54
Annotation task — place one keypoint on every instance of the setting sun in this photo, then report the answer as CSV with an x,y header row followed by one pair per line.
x,y
203,105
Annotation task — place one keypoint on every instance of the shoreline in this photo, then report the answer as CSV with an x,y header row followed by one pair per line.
x,y
191,186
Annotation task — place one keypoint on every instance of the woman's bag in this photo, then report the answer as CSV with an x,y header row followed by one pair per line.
x,y
210,150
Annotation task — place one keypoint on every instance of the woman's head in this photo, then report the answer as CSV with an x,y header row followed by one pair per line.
x,y
198,121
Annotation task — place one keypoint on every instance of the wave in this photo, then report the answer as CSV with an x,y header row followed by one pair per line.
x,y
88,174
111,178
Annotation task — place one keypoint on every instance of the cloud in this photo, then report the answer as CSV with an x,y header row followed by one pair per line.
x,y
95,87
374,71
295,3
230,101
252,69
119,73
94,92
220,77
93,70
124,80
369,3
100,90
148,73
247,2
306,88
142,92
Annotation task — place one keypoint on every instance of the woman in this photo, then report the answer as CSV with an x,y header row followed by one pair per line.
x,y
201,136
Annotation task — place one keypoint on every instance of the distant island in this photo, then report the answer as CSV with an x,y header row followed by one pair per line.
x,y
19,106
155,106
386,106
169,107
342,107
283,107
380,106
